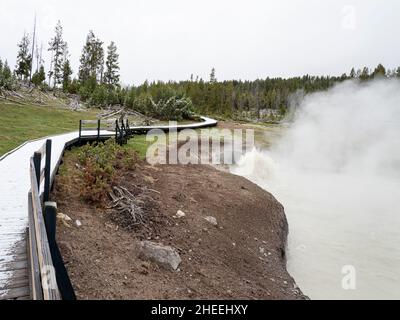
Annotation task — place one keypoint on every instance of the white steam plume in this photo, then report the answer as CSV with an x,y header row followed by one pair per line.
x,y
336,169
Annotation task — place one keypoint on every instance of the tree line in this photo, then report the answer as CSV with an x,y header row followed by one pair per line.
x,y
98,83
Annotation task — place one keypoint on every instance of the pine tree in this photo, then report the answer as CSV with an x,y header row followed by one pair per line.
x,y
6,77
379,71
24,59
92,60
364,74
59,50
111,76
39,76
67,72
213,79
352,73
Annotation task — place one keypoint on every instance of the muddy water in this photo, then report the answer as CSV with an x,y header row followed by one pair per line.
x,y
344,226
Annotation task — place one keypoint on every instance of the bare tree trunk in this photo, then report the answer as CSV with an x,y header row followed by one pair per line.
x,y
33,49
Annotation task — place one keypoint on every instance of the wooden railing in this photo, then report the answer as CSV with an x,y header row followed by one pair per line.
x,y
99,125
122,131
48,277
120,126
43,277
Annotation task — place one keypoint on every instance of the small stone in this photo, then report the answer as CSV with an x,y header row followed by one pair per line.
x,y
64,217
78,223
180,214
212,220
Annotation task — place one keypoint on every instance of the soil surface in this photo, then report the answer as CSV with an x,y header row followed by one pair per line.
x,y
241,258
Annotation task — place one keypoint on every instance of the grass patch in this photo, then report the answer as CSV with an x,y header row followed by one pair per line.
x,y
21,123
139,144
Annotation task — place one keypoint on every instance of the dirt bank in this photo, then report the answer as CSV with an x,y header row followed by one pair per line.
x,y
241,258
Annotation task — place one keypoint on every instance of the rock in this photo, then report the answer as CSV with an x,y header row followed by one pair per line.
x,y
64,217
180,214
164,256
78,223
212,220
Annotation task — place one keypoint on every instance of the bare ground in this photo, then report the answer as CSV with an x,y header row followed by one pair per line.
x,y
242,258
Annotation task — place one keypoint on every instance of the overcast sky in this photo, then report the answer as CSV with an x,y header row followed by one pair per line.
x,y
248,39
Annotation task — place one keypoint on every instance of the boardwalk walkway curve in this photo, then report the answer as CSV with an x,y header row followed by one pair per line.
x,y
15,185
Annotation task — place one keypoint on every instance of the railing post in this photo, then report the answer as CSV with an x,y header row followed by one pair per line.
x,y
116,131
98,130
63,280
47,169
50,219
80,130
37,161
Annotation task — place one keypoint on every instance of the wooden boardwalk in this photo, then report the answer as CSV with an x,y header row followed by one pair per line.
x,y
14,187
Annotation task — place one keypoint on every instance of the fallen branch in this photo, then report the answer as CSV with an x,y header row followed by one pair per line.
x,y
12,100
126,207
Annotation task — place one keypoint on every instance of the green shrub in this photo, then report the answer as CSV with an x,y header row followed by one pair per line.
x,y
101,163
173,108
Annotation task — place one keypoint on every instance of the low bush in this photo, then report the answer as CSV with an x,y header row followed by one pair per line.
x,y
101,163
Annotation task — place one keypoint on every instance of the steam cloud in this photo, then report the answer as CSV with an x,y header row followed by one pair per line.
x,y
336,169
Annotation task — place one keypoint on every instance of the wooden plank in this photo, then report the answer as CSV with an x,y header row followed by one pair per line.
x,y
17,283
14,274
15,257
48,276
34,274
13,265
15,251
16,237
15,293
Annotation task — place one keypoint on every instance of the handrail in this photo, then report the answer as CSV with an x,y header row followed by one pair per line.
x,y
39,249
48,276
98,127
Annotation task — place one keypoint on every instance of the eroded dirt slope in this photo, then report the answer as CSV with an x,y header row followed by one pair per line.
x,y
241,258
